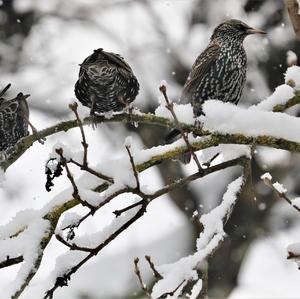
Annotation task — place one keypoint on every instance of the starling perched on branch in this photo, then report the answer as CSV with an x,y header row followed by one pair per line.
x,y
14,115
219,72
106,82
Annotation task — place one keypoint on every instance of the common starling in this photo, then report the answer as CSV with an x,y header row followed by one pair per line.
x,y
106,82
219,72
14,116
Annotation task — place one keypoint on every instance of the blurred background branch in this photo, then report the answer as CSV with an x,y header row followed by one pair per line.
x,y
293,10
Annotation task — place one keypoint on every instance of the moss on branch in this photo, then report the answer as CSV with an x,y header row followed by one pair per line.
x,y
290,103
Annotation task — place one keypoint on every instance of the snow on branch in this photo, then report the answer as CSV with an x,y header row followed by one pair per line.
x,y
284,97
30,233
280,191
293,249
176,276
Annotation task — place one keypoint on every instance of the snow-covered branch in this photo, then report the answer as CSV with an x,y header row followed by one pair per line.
x,y
257,123
29,233
178,275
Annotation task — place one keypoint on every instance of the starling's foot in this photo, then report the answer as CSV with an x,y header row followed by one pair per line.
x,y
92,112
208,163
128,108
198,124
93,120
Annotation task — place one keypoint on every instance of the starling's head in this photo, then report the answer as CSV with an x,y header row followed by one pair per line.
x,y
235,30
23,109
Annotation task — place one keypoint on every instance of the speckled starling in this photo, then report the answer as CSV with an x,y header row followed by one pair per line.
x,y
106,82
14,116
219,72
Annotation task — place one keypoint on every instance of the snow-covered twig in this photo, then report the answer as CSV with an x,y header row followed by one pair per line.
x,y
137,117
279,190
208,241
95,250
143,160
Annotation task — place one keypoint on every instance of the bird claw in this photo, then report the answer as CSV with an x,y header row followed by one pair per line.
x,y
198,124
93,122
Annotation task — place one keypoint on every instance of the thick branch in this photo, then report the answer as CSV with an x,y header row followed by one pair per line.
x,y
11,261
18,150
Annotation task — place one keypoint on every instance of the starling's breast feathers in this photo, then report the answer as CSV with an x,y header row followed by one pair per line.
x,y
218,73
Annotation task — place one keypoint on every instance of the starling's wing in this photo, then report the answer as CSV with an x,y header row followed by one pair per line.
x,y
126,82
117,60
91,59
203,63
9,106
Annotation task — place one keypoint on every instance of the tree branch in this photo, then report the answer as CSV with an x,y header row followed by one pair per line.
x,y
293,9
11,261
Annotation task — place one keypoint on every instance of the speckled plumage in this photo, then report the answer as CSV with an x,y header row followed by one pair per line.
x,y
14,114
219,72
106,82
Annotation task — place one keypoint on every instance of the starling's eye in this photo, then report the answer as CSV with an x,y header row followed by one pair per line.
x,y
241,27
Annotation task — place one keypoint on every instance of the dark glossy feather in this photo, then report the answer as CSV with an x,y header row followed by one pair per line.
x,y
14,114
106,79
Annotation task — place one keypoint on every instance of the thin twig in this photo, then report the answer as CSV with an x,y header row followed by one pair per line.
x,y
172,293
268,182
85,145
139,276
141,211
92,171
208,163
136,175
72,246
5,89
170,107
75,194
151,264
121,211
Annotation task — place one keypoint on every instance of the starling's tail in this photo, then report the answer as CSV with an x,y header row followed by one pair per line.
x,y
172,136
185,158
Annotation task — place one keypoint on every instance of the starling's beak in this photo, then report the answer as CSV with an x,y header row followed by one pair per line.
x,y
255,31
